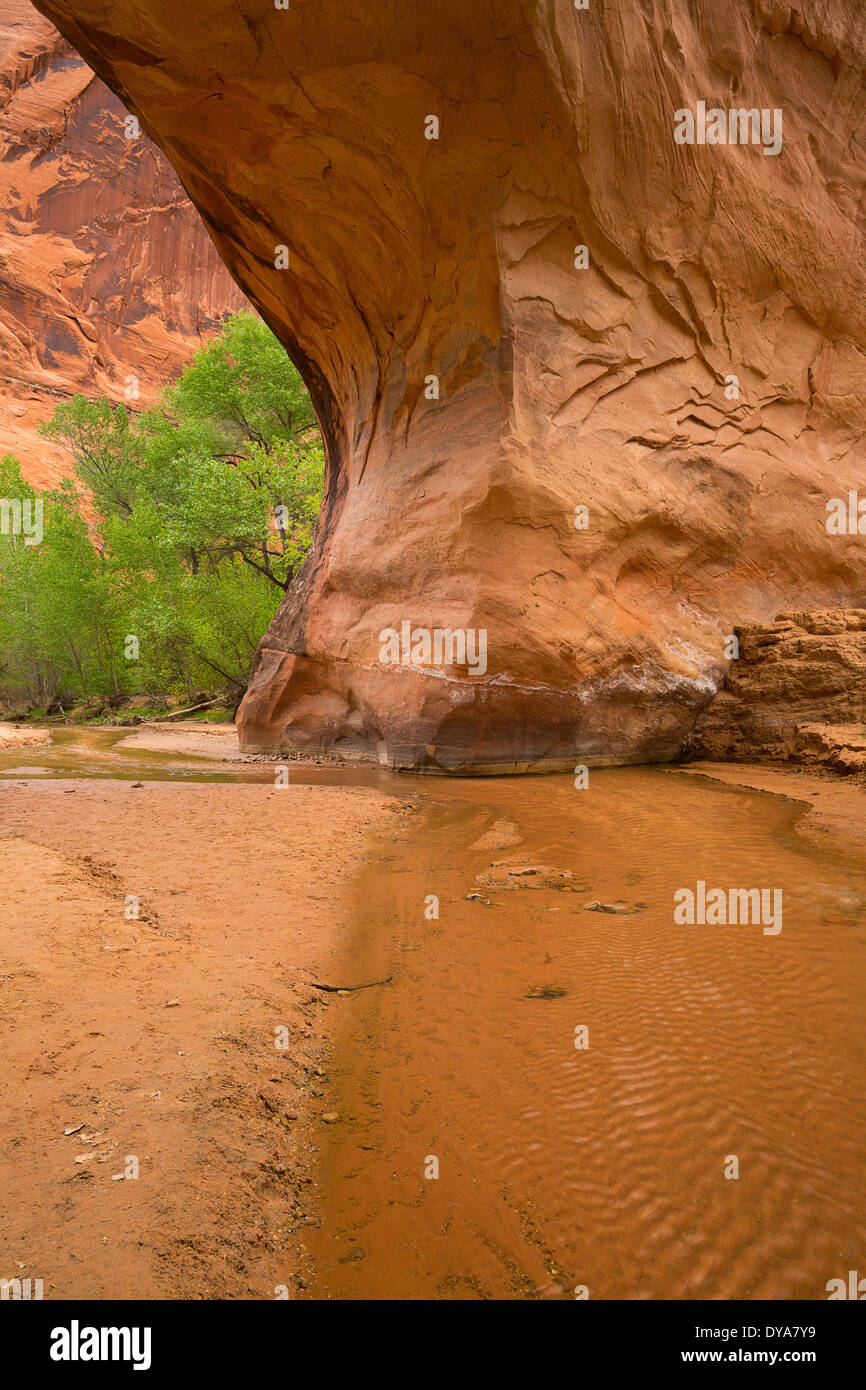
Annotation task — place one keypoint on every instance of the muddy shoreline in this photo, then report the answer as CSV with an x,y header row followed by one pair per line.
x,y
153,1037
834,811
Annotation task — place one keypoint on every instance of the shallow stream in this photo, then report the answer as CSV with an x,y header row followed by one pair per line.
x,y
547,1098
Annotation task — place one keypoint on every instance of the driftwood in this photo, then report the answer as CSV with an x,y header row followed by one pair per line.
x,y
349,989
176,714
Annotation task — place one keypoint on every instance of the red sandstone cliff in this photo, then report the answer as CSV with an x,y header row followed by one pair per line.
x,y
695,381
105,268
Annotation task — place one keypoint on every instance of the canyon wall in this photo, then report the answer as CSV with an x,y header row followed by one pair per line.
x,y
585,389
106,272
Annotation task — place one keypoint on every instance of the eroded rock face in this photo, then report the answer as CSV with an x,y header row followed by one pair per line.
x,y
696,385
796,692
106,271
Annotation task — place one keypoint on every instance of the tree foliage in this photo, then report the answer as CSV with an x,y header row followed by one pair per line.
x,y
163,560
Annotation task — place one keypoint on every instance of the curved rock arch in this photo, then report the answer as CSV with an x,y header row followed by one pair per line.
x,y
605,385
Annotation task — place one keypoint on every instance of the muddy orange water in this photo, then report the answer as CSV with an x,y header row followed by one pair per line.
x,y
601,1168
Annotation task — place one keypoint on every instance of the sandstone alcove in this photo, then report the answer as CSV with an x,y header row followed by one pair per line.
x,y
693,377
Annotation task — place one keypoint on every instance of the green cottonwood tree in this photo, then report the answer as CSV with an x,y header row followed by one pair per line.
x,y
185,528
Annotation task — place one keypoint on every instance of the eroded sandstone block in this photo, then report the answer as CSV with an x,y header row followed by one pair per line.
x,y
796,692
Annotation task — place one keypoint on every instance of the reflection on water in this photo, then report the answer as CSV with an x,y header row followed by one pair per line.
x,y
602,1167
105,752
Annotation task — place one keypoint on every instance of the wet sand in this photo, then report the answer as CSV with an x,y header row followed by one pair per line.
x,y
483,1156
189,737
559,1169
833,811
154,1038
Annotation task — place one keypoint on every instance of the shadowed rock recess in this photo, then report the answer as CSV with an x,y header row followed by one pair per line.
x,y
559,387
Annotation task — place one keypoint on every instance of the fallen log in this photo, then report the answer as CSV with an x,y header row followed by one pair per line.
x,y
177,713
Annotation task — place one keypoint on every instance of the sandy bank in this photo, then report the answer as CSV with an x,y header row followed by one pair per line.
x,y
152,1041
186,736
836,814
21,736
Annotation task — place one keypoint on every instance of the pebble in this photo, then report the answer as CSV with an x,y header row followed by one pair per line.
x,y
356,1254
